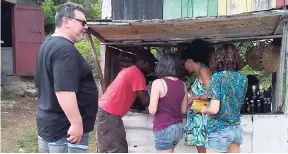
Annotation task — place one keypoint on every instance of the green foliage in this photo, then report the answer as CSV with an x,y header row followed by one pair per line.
x,y
189,81
85,50
264,78
49,13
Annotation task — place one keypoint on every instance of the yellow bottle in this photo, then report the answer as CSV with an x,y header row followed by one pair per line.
x,y
198,104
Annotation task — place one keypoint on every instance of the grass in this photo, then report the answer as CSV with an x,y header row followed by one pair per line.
x,y
27,142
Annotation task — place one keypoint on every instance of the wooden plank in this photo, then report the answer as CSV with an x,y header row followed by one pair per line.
x,y
200,8
286,44
212,8
239,6
273,3
128,9
142,12
222,7
280,3
258,5
105,54
106,9
184,8
7,61
97,65
187,8
280,71
117,9
171,9
165,43
190,8
155,9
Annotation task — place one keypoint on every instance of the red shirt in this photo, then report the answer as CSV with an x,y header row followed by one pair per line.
x,y
121,93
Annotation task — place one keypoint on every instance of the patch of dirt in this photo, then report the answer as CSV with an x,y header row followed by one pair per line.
x,y
17,118
18,108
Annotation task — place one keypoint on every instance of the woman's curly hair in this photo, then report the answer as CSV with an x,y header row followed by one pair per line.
x,y
225,57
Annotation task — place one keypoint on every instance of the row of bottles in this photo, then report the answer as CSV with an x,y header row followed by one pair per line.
x,y
257,102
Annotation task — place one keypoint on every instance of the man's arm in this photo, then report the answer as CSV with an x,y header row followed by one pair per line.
x,y
68,103
66,73
144,97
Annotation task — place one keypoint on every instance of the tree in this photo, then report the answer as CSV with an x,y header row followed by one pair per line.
x,y
92,7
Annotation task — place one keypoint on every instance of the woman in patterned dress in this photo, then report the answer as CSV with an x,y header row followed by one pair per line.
x,y
227,89
195,59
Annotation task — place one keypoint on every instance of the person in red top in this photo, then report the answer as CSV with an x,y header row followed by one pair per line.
x,y
118,99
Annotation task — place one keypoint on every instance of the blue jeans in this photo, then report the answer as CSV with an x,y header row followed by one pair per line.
x,y
63,146
167,138
220,140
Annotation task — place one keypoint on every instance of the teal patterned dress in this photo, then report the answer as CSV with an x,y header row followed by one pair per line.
x,y
196,122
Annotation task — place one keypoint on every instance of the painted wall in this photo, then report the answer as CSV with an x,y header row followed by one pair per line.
x,y
171,9
261,134
229,7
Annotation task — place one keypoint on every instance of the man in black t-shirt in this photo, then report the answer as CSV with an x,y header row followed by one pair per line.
x,y
67,93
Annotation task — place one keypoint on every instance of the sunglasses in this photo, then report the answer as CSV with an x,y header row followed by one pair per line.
x,y
84,23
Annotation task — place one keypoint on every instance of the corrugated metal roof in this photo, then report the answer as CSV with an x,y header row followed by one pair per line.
x,y
259,24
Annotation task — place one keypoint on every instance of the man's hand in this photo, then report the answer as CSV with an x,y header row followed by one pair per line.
x,y
144,97
75,133
68,103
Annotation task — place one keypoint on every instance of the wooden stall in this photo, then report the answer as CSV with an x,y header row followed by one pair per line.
x,y
262,132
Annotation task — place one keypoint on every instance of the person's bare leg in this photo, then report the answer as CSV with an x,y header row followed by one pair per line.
x,y
173,149
234,148
201,149
211,151
166,151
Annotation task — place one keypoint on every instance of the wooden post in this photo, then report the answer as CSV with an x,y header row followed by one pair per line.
x,y
286,52
280,71
97,64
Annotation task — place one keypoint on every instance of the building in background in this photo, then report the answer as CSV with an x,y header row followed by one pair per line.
x,y
22,32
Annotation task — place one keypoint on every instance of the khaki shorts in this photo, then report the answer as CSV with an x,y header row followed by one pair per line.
x,y
111,133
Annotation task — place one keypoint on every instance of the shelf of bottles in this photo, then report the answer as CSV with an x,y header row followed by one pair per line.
x,y
257,102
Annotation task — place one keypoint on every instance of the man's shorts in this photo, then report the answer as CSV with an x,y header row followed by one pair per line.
x,y
63,146
220,140
111,133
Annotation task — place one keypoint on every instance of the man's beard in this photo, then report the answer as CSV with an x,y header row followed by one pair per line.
x,y
81,37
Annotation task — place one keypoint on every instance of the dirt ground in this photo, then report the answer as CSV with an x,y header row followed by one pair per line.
x,y
18,126
18,123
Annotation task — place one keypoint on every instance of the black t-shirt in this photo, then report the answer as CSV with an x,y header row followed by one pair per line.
x,y
60,67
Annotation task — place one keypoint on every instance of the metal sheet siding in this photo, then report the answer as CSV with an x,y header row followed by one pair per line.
x,y
7,60
136,9
29,34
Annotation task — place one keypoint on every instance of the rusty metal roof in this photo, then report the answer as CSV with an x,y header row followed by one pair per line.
x,y
258,25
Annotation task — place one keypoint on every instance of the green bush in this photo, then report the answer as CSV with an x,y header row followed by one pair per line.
x,y
85,50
